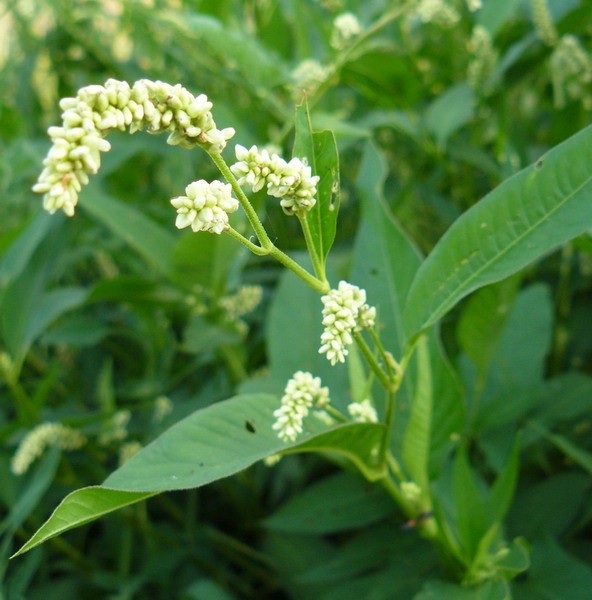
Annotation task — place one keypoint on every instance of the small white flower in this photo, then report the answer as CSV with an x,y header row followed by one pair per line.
x,y
438,12
38,439
363,412
205,207
302,392
344,311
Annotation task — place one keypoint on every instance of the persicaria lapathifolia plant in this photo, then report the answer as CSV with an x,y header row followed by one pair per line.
x,y
548,203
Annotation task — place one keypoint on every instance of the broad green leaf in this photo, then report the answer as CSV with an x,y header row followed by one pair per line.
x,y
437,590
482,320
79,508
336,503
502,492
18,254
154,243
385,262
449,112
524,218
210,444
572,451
416,443
549,507
471,516
38,482
554,575
204,260
260,67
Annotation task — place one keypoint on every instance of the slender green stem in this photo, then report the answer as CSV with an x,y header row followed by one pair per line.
x,y
388,421
336,414
372,362
320,286
317,263
245,242
242,198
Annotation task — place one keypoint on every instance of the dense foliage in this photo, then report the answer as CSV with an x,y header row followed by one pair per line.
x,y
114,326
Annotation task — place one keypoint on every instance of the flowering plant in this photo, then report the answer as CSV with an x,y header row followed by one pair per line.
x,y
397,450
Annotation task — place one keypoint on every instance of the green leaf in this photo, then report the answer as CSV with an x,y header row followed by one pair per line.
x,y
554,575
449,112
336,503
470,507
482,320
154,243
322,218
204,260
524,218
437,590
572,451
493,14
18,254
416,443
320,150
385,263
210,444
79,508
502,492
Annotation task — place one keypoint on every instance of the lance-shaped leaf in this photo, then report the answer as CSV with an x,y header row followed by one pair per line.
x,y
208,445
527,216
320,150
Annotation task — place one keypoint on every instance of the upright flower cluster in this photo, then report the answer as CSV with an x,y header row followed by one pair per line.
x,y
484,59
38,439
345,311
543,22
571,71
346,27
245,300
292,181
97,109
205,207
363,412
438,12
302,392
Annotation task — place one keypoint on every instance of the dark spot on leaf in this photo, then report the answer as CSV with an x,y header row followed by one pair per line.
x,y
539,164
374,272
250,427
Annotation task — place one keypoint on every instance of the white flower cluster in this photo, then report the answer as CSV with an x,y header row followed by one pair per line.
x,y
363,412
206,206
474,5
163,406
127,450
116,429
245,300
302,392
38,439
345,310
292,181
346,27
307,77
571,71
438,12
97,109
543,22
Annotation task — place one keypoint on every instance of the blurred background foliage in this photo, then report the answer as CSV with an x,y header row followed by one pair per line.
x,y
117,325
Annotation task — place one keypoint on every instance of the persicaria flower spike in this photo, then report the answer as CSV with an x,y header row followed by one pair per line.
x,y
292,182
345,311
39,438
96,109
205,207
302,393
363,412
